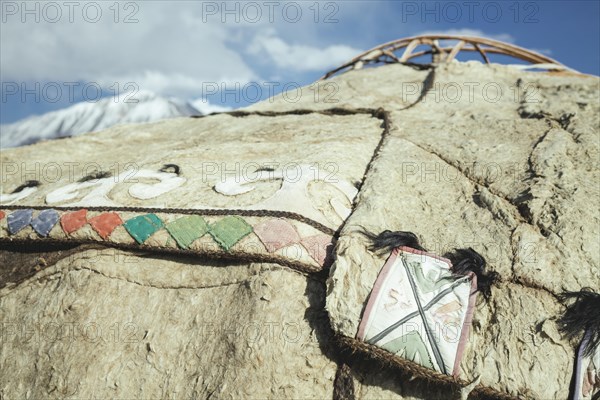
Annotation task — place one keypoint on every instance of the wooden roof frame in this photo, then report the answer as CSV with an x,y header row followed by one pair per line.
x,y
390,52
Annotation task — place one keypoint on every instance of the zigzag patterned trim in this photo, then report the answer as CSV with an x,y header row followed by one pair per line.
x,y
261,236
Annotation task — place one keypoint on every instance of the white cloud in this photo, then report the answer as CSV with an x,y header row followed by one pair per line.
x,y
300,57
173,51
170,50
171,83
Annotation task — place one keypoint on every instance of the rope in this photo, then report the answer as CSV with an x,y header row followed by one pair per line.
x,y
193,211
343,385
231,255
385,358
335,111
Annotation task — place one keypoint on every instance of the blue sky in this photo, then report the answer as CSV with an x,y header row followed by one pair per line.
x,y
51,52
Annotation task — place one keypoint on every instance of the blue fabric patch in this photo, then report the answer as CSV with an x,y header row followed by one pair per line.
x,y
19,220
45,221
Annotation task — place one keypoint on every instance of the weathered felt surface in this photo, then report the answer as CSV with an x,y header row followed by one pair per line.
x,y
518,181
515,179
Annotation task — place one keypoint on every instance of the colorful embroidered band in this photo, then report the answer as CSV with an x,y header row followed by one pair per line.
x,y
253,235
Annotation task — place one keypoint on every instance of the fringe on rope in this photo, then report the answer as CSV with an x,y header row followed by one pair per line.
x,y
463,260
582,316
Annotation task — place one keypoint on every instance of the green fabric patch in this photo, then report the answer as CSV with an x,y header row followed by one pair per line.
x,y
411,347
230,230
431,282
143,226
187,229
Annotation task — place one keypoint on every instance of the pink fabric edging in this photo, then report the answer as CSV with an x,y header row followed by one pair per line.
x,y
382,277
466,326
375,292
579,365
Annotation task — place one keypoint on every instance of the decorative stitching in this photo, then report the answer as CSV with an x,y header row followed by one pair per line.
x,y
318,247
73,221
410,316
187,229
345,343
276,233
143,226
224,233
428,331
229,230
19,220
105,224
400,295
192,211
45,221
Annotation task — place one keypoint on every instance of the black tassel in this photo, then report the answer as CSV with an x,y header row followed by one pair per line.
x,y
581,316
463,260
27,184
388,240
265,169
95,175
468,260
171,168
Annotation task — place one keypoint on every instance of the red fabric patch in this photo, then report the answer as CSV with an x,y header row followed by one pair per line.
x,y
73,221
2,214
105,224
318,247
276,233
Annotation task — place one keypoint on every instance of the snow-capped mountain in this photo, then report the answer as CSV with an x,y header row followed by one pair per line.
x,y
89,117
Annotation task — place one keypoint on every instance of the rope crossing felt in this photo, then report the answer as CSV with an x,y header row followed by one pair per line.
x,y
385,358
319,259
247,213
343,385
236,235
